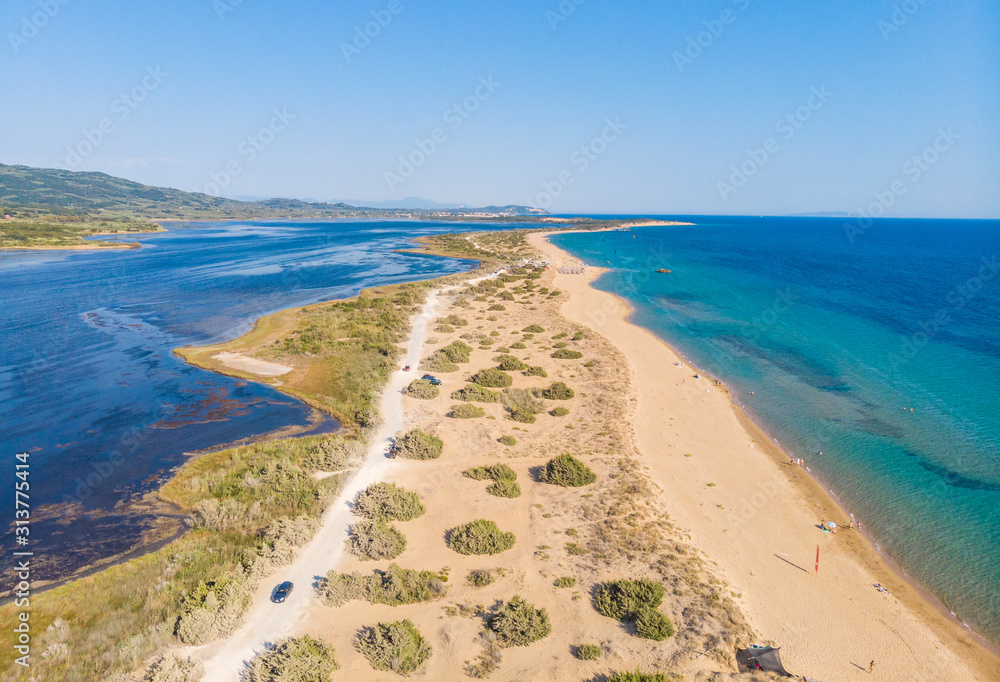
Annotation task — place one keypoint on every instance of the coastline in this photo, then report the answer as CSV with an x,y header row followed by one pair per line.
x,y
785,496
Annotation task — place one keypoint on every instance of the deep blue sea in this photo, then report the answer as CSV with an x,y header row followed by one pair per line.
x,y
89,386
878,345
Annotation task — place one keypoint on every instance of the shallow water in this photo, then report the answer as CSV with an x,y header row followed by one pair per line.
x,y
882,352
89,385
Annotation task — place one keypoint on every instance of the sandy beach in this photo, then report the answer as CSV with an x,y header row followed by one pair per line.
x,y
757,517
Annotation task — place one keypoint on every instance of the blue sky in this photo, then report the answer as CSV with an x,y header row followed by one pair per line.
x,y
666,125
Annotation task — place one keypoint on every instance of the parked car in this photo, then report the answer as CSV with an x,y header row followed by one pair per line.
x,y
431,378
406,369
281,592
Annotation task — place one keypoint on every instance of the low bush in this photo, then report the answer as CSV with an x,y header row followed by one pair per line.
x,y
398,647
480,537
492,378
521,416
561,344
497,307
388,502
521,405
567,354
557,391
567,471
466,411
453,321
475,393
447,358
533,329
371,541
638,676
651,624
504,488
623,599
506,296
575,549
560,335
480,578
517,345
444,329
394,587
297,660
535,371
587,652
503,350
416,444
508,363
577,337
495,472
508,440
518,623
565,581
559,412
421,389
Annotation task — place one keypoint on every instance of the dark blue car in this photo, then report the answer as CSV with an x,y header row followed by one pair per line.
x,y
431,378
281,592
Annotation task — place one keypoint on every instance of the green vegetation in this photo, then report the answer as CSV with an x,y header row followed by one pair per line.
x,y
577,337
480,578
448,358
416,444
635,601
492,378
565,581
453,321
480,537
517,345
567,354
559,412
638,676
504,479
293,660
587,652
521,405
508,440
509,363
421,389
557,391
651,624
393,587
535,371
576,550
518,623
497,307
372,541
475,393
397,647
466,411
533,329
567,471
383,502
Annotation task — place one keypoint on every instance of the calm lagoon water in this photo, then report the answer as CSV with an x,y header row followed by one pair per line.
x,y
883,353
89,385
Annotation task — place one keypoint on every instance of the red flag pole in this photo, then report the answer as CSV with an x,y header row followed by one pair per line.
x,y
817,561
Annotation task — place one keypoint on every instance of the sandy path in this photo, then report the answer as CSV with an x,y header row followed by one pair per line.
x,y
757,522
267,622
256,366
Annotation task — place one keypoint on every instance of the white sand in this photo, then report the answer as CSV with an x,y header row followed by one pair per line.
x,y
261,368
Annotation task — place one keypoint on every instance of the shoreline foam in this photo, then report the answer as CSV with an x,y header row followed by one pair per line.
x,y
920,615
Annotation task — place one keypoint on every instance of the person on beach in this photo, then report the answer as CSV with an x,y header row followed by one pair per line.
x,y
871,667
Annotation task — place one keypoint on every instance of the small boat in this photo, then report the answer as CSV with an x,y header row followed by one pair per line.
x,y
664,271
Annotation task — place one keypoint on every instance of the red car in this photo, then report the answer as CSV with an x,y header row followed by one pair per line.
x,y
406,369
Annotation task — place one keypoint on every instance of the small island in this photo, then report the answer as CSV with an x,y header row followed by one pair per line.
x,y
664,271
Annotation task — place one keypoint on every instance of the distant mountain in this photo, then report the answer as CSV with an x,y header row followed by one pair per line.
x,y
408,202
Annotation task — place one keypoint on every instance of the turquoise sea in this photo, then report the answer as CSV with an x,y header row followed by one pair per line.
x,y
876,343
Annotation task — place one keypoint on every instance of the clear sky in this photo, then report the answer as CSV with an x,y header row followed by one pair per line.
x,y
667,125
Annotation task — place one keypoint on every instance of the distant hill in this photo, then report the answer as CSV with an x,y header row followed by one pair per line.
x,y
32,192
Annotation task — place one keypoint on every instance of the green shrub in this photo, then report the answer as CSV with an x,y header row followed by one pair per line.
x,y
535,371
521,405
398,647
557,391
453,321
480,537
577,337
416,444
388,502
421,389
506,296
533,329
446,359
575,549
466,411
559,412
492,378
567,471
651,624
504,488
444,329
494,472
509,363
517,345
638,676
567,354
371,541
508,440
503,350
521,416
498,307
561,344
297,660
565,582
587,652
480,578
458,352
560,335
518,623
623,599
394,587
475,393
